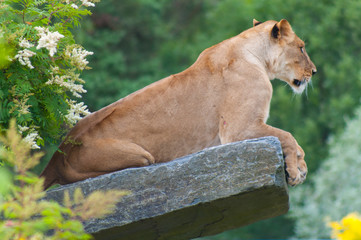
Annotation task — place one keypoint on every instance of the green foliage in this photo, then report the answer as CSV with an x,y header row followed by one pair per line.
x,y
335,189
40,66
25,215
6,50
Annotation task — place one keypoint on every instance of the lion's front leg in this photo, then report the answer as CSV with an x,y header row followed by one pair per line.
x,y
296,167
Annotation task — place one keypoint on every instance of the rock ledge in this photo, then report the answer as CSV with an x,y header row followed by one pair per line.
x,y
201,194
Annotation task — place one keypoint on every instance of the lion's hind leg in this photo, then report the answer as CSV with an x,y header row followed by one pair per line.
x,y
102,156
108,155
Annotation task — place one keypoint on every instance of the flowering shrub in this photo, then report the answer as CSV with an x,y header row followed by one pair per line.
x,y
335,188
40,66
349,228
23,215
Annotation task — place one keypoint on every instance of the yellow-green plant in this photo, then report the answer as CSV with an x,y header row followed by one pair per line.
x,y
349,228
23,212
40,66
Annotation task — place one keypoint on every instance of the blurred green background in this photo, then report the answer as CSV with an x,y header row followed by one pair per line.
x,y
137,42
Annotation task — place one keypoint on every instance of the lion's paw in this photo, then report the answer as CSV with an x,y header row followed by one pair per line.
x,y
296,174
295,177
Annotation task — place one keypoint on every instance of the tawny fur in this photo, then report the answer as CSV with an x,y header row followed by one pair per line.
x,y
223,97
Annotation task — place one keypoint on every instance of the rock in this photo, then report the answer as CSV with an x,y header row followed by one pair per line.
x,y
201,194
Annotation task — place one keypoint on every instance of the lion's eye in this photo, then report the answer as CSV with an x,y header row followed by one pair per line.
x,y
301,48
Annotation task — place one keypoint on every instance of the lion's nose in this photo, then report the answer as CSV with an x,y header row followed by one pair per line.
x,y
314,72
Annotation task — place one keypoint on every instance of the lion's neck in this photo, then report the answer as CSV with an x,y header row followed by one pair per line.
x,y
256,53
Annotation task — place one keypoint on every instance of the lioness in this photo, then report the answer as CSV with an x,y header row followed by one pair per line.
x,y
223,97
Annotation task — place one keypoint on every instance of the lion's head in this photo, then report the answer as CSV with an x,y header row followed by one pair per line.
x,y
288,59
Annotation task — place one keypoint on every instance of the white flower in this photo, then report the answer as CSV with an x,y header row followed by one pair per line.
x,y
55,69
48,39
66,82
87,4
25,43
77,57
75,111
41,30
74,6
23,57
23,128
31,139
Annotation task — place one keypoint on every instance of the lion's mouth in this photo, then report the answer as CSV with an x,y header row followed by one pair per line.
x,y
299,82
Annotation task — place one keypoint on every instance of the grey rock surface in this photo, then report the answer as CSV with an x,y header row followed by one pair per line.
x,y
202,194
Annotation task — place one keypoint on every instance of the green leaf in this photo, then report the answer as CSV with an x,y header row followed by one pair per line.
x,y
6,181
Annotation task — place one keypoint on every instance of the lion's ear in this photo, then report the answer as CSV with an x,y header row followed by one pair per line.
x,y
282,29
255,22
